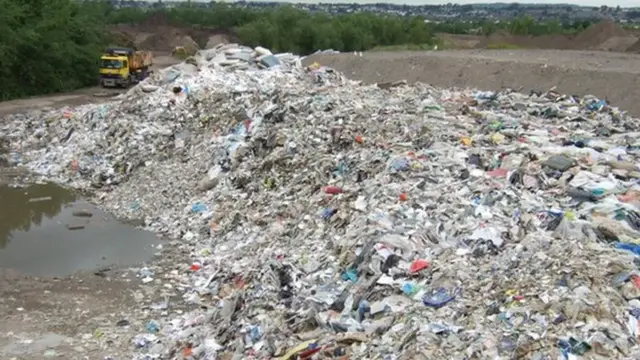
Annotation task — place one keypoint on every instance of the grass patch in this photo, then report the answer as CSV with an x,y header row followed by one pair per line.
x,y
502,46
181,55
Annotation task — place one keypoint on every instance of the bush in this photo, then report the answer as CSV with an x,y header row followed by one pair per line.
x,y
288,29
48,46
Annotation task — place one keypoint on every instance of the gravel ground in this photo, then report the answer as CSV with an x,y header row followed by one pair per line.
x,y
81,316
68,318
613,76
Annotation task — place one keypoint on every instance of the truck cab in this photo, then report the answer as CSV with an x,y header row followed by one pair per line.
x,y
124,66
114,71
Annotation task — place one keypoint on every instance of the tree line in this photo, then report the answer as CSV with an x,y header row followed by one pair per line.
x,y
48,46
51,46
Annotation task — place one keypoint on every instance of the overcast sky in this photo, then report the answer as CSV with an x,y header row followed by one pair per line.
x,y
624,3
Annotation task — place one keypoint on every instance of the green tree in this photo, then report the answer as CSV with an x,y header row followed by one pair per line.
x,y
48,46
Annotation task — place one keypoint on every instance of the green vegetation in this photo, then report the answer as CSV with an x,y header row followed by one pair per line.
x,y
502,46
524,25
48,46
288,29
53,45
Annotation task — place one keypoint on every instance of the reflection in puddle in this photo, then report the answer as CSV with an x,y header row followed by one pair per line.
x,y
48,230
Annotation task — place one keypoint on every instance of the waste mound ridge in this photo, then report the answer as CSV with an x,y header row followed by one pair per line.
x,y
327,218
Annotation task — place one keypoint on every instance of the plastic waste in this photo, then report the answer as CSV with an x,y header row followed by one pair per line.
x,y
440,297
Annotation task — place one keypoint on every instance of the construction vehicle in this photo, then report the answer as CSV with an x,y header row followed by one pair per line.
x,y
124,66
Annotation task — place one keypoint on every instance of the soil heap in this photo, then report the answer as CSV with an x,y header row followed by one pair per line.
x,y
597,34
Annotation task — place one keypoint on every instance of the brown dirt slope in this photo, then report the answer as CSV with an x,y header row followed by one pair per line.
x,y
157,34
617,44
635,48
605,36
609,75
597,34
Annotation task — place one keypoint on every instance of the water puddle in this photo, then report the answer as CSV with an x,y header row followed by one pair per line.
x,y
46,230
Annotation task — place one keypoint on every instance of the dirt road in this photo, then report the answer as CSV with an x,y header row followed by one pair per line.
x,y
95,94
614,76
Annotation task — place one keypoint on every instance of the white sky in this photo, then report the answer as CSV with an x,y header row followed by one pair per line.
x,y
622,3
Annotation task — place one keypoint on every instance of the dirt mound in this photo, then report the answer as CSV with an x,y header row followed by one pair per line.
x,y
605,35
617,43
155,35
121,38
203,35
166,39
215,40
597,34
634,48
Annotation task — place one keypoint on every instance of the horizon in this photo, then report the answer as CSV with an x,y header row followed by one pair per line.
x,y
588,3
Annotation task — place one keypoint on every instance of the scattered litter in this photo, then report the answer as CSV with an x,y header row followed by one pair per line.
x,y
82,213
40,199
75,226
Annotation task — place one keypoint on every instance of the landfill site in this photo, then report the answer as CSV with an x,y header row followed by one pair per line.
x,y
475,204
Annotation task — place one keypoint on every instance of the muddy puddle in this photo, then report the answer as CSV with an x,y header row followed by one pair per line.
x,y
46,230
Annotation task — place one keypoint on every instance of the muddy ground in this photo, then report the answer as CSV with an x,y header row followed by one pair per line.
x,y
88,315
64,318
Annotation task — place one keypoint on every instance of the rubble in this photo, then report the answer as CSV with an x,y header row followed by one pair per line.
x,y
327,219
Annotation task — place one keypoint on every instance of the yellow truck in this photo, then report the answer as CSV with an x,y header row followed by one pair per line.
x,y
124,66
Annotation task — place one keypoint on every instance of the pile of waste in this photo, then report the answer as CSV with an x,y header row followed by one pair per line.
x,y
331,220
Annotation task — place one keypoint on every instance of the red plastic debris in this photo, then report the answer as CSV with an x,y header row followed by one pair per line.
x,y
238,282
306,354
418,265
195,267
333,190
500,172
